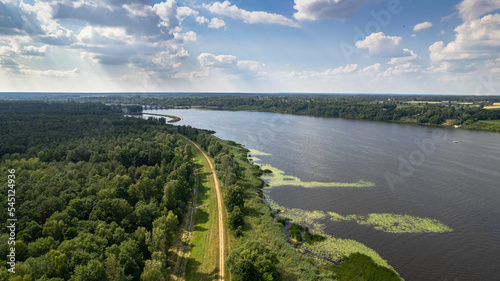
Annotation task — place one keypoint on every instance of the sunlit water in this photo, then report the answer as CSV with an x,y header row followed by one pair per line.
x,y
450,175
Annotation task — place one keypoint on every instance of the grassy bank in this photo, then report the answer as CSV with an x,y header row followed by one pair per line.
x,y
203,260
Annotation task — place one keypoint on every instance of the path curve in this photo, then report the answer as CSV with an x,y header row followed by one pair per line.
x,y
219,211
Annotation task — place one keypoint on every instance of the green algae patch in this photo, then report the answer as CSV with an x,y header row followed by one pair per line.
x,y
256,152
253,159
331,249
336,217
278,178
395,223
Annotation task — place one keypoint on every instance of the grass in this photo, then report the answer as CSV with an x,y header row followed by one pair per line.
x,y
203,260
484,125
358,267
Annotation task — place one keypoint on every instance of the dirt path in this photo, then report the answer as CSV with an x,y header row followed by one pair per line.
x,y
219,208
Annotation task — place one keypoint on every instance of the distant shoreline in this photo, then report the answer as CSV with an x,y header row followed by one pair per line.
x,y
174,118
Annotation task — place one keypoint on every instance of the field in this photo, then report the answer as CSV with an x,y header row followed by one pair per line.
x,y
496,105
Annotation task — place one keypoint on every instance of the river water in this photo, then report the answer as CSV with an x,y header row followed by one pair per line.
x,y
450,175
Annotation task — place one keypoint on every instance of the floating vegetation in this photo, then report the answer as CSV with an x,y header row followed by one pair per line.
x,y
278,178
256,152
331,249
395,223
324,248
297,215
253,159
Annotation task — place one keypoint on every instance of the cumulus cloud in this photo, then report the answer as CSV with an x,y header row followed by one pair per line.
x,y
422,26
323,9
229,66
34,51
157,21
18,20
374,68
184,12
381,45
252,66
474,9
220,61
475,40
226,9
216,23
404,68
409,56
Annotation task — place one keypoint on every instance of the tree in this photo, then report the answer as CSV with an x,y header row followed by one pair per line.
x,y
93,271
252,260
161,237
153,271
245,270
234,198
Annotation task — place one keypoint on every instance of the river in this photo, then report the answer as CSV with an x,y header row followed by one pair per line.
x,y
449,175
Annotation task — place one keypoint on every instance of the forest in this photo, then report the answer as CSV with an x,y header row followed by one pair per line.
x,y
97,196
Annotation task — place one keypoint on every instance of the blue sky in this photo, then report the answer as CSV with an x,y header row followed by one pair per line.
x,y
319,46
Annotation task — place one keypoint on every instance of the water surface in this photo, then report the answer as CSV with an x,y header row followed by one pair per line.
x,y
454,178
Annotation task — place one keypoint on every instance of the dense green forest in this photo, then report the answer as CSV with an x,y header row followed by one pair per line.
x,y
469,112
99,196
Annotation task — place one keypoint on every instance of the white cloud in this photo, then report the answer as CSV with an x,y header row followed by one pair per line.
x,y
94,36
230,67
409,56
477,41
220,61
201,19
226,9
18,19
374,68
474,9
329,73
189,36
184,12
34,51
474,40
251,65
404,68
53,73
422,26
216,23
323,9
167,11
449,17
380,45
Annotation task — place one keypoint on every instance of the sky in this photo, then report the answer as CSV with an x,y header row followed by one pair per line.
x,y
255,46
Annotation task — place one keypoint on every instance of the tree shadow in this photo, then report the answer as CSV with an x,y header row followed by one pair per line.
x,y
193,273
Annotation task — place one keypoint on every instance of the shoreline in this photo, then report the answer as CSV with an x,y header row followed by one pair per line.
x,y
356,119
174,118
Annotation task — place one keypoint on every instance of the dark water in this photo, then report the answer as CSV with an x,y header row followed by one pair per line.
x,y
450,175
